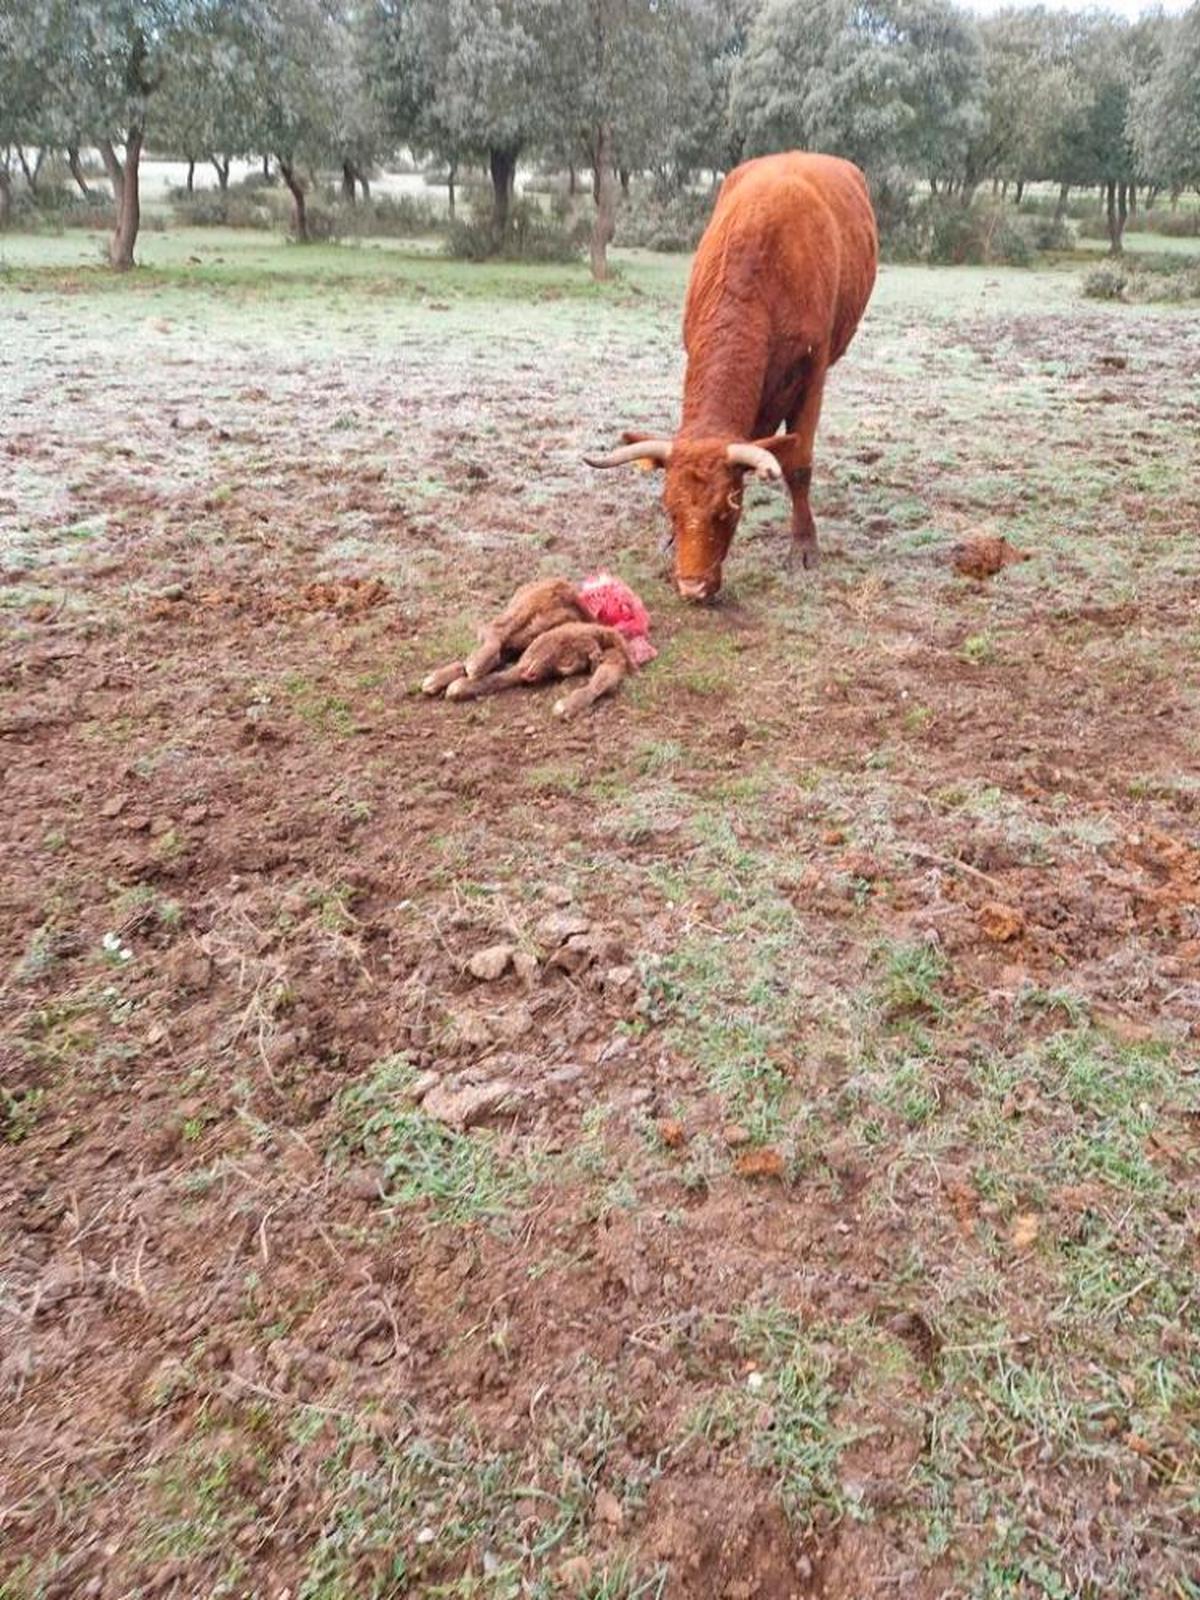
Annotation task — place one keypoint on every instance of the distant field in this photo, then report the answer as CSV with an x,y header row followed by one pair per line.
x,y
826,1221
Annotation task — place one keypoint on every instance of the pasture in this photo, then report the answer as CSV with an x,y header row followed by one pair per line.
x,y
810,1207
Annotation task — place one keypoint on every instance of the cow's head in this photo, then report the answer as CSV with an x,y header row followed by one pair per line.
x,y
702,494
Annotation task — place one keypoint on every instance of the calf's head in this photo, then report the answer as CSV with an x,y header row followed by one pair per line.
x,y
703,496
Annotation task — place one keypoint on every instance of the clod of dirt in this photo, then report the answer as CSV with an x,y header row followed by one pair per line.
x,y
764,1163
735,1135
575,955
1115,362
1001,923
1025,1230
672,1133
575,1574
984,557
557,927
492,963
608,1509
468,1107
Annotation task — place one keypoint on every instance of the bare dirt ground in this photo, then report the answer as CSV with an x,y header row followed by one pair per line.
x,y
809,1208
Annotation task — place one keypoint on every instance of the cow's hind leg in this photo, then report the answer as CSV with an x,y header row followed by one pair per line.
x,y
612,669
797,465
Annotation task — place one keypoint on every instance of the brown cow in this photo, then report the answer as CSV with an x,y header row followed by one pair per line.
x,y
780,280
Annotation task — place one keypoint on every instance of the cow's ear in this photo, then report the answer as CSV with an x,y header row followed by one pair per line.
x,y
778,443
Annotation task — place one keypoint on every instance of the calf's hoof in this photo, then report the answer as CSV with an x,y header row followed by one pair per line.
x,y
437,681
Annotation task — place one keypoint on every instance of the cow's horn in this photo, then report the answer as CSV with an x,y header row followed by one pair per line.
x,y
644,450
761,462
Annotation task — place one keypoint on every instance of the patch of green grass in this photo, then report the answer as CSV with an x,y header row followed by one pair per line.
x,y
910,983
458,1178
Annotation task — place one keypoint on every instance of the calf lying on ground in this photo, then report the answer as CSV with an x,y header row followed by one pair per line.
x,y
555,629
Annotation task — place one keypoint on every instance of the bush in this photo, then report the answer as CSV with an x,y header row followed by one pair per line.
x,y
669,223
54,209
532,236
402,217
1157,278
941,230
1171,224
1107,282
212,208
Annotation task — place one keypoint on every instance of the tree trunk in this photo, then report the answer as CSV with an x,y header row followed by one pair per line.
x,y
299,206
76,167
128,198
1116,197
1060,210
603,224
1133,199
114,169
503,167
266,167
5,195
572,180
221,168
1020,191
623,174
191,177
349,184
31,173
451,181
364,184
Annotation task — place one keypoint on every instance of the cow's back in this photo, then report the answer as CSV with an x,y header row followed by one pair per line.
x,y
792,246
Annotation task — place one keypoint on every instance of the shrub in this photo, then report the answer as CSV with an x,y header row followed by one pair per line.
x,y
210,208
940,229
1171,224
669,223
389,217
532,236
1107,282
1155,278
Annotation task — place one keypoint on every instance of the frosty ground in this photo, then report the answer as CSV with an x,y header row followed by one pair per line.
x,y
810,1208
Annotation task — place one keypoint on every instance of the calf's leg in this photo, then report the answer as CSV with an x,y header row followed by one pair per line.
x,y
490,683
612,669
437,681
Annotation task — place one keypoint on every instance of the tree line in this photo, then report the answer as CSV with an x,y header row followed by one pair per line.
x,y
913,90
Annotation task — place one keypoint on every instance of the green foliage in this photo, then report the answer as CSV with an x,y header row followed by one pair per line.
x,y
531,236
941,230
1167,279
888,84
664,222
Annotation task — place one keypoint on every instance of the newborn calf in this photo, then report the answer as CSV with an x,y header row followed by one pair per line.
x,y
555,629
567,651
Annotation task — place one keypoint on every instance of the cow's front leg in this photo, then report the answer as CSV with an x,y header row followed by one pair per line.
x,y
804,529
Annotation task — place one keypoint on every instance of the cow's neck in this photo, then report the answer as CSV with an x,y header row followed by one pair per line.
x,y
723,389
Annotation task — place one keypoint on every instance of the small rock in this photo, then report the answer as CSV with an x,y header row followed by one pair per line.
x,y
361,1183
194,815
114,806
672,1133
468,1031
735,1135
492,963
467,1107
620,980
